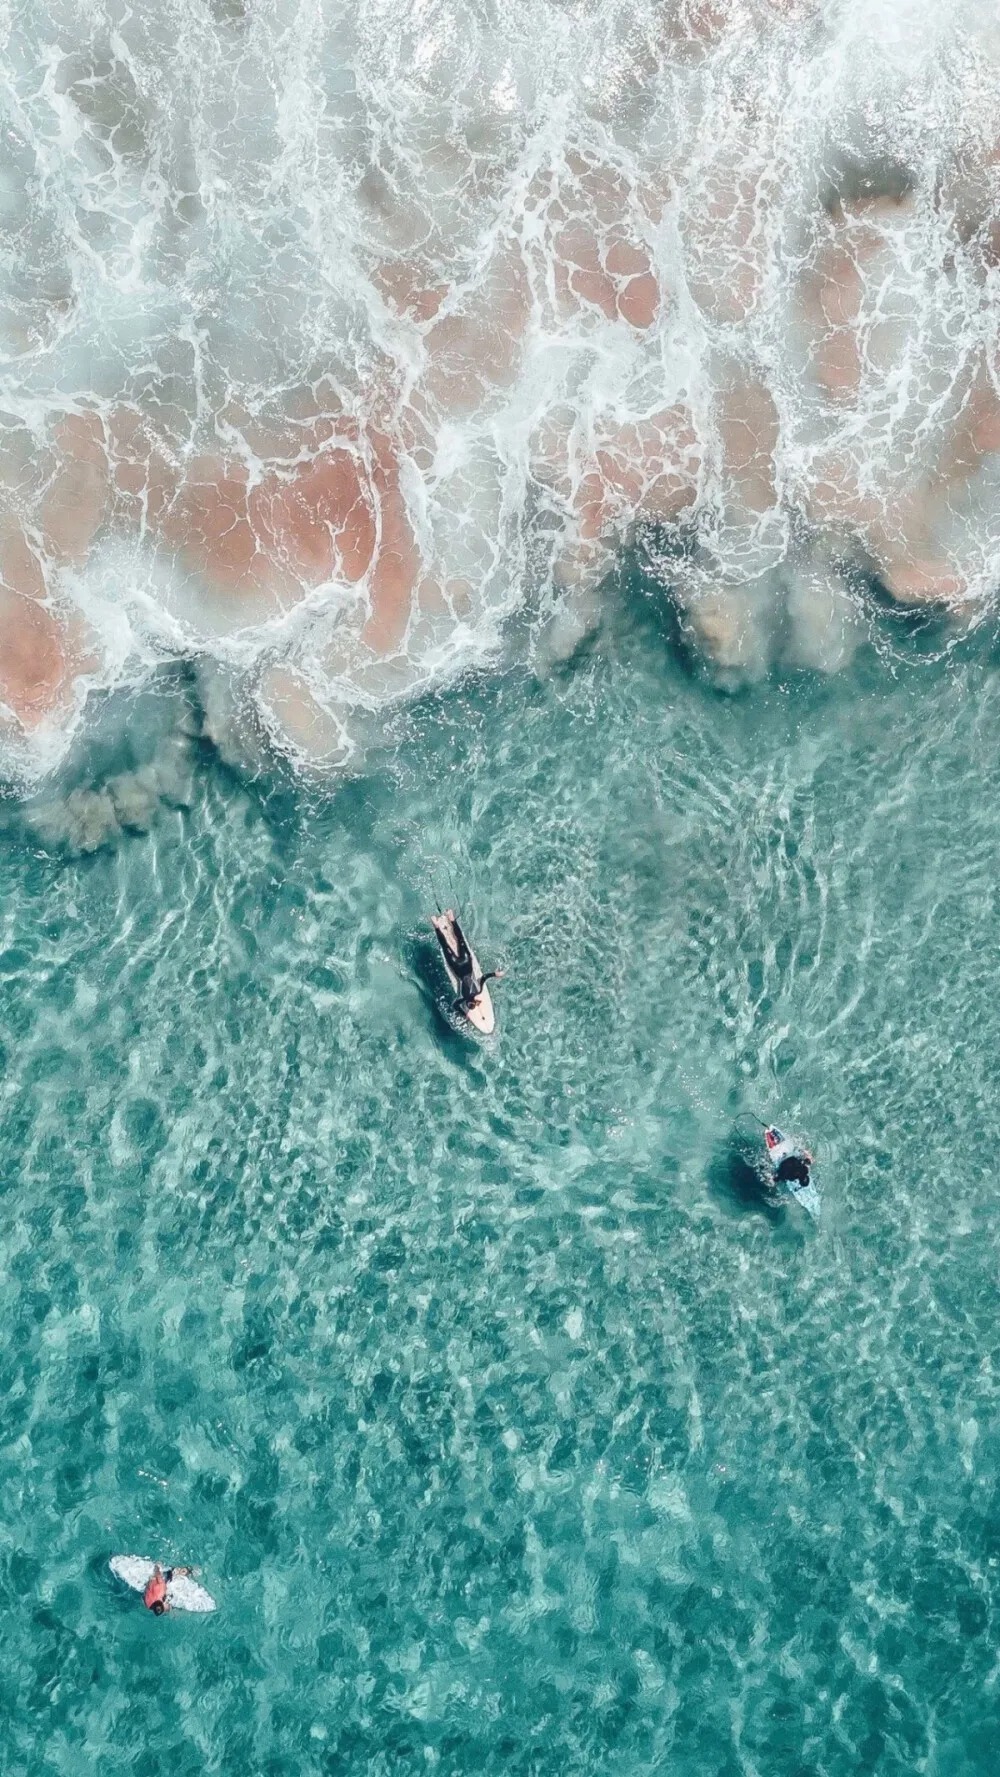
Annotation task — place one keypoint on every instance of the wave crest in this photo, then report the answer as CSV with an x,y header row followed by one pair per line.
x,y
337,337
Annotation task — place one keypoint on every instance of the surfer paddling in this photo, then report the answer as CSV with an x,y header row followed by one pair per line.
x,y
472,997
155,1596
162,1588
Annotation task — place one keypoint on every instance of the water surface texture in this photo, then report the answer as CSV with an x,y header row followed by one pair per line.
x,y
413,417
513,1428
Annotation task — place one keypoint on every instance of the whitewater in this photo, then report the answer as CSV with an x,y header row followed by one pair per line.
x,y
336,340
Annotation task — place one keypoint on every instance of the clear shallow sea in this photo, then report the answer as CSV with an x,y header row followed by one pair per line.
x,y
513,1431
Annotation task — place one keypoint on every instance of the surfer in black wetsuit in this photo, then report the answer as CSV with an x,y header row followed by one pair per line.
x,y
459,958
469,995
794,1169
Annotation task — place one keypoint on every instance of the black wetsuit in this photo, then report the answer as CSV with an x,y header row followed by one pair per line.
x,y
793,1170
470,992
470,986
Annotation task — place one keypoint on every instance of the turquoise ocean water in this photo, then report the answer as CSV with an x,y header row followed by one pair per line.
x,y
513,1429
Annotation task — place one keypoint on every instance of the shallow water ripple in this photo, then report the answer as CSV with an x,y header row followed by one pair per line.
x,y
513,1429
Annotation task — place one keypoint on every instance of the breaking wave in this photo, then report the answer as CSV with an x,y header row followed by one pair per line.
x,y
336,336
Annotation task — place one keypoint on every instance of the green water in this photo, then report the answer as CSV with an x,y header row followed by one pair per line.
x,y
514,1431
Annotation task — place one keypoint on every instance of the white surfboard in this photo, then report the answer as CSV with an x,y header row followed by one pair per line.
x,y
782,1149
183,1593
480,1015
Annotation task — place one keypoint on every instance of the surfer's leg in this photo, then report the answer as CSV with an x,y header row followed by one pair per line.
x,y
446,949
463,955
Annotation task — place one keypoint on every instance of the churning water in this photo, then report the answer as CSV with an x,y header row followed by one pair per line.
x,y
337,336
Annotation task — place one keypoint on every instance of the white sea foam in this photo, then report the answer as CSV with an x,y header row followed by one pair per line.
x,y
336,336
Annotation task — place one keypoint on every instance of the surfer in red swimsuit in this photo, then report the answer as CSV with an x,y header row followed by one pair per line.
x,y
155,1595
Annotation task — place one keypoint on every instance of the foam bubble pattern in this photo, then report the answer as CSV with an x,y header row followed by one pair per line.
x,y
337,336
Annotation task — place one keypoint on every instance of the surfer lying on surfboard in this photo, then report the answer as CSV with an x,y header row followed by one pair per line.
x,y
464,973
155,1596
162,1588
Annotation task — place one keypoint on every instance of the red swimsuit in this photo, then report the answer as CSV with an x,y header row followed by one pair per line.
x,y
156,1591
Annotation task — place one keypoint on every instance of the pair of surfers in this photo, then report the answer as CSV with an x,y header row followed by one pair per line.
x,y
791,1163
472,999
